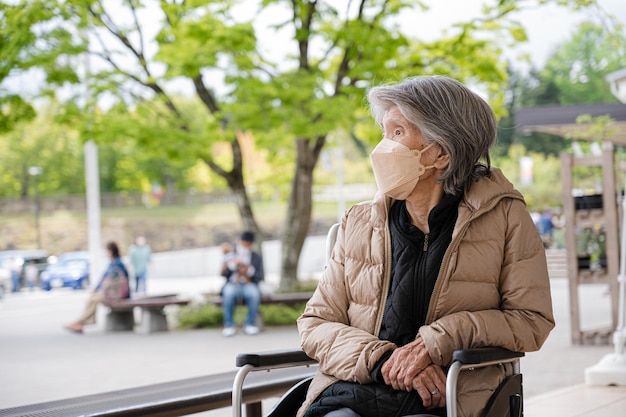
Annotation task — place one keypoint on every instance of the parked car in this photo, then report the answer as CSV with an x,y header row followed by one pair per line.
x,y
71,269
16,259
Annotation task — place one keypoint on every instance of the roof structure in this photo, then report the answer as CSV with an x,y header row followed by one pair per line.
x,y
561,120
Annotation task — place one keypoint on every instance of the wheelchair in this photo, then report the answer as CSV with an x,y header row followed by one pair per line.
x,y
506,401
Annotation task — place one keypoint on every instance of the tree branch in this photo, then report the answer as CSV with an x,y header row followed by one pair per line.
x,y
205,95
110,26
133,10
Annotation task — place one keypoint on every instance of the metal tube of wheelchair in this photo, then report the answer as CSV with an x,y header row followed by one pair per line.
x,y
451,382
238,389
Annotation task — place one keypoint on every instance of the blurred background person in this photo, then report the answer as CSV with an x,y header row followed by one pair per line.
x,y
243,270
140,255
113,285
31,275
16,270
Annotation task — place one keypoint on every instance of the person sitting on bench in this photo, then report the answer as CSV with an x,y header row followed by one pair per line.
x,y
243,270
113,285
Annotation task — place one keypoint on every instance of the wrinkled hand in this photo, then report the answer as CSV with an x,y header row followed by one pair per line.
x,y
405,364
431,380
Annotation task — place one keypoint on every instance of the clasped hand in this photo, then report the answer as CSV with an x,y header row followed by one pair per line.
x,y
410,368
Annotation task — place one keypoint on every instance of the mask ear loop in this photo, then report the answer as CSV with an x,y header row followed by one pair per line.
x,y
421,169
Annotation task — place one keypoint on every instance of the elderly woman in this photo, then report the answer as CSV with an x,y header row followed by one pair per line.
x,y
445,257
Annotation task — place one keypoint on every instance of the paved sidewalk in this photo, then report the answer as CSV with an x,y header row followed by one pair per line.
x,y
41,362
578,401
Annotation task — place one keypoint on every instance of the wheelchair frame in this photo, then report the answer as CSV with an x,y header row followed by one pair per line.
x,y
461,360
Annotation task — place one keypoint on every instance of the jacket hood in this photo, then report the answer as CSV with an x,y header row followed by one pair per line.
x,y
489,190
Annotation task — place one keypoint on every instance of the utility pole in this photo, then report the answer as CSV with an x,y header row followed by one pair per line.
x,y
35,172
92,182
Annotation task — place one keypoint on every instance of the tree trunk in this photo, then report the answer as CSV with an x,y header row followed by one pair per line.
x,y
24,183
236,183
299,210
246,214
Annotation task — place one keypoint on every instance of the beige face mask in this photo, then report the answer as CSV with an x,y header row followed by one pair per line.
x,y
397,168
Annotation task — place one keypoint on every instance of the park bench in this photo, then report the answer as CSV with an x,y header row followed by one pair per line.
x,y
153,319
175,398
279,298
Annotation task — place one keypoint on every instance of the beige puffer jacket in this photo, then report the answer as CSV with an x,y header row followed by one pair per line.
x,y
492,290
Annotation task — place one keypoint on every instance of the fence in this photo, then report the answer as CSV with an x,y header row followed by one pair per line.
x,y
114,200
49,204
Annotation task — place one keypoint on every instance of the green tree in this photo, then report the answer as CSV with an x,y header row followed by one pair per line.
x,y
338,54
192,38
31,38
54,148
574,74
578,67
545,190
525,89
291,103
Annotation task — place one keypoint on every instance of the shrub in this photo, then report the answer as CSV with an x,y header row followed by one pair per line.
x,y
209,315
308,285
199,316
280,314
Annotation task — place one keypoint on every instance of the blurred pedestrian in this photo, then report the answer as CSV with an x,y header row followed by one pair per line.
x,y
31,274
545,227
112,286
140,255
16,269
243,270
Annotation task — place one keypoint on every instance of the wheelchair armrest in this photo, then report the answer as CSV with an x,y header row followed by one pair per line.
x,y
484,355
274,358
266,360
474,358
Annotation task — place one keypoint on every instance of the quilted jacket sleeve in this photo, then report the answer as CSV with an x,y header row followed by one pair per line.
x,y
344,348
521,318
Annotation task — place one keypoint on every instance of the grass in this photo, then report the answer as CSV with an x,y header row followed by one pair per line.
x,y
166,227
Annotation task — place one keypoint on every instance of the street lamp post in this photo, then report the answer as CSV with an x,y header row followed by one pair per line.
x,y
36,172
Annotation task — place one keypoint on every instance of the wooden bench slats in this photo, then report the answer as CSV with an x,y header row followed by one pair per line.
x,y
286,298
146,302
174,398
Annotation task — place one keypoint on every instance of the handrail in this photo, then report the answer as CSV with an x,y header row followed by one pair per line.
x,y
174,398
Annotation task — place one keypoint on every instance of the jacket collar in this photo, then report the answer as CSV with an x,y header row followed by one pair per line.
x,y
487,191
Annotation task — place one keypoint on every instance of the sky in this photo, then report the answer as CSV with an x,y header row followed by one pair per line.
x,y
546,27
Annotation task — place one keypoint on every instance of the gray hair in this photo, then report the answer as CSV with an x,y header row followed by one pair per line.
x,y
449,114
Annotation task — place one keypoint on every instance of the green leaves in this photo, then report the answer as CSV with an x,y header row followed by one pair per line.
x,y
173,80
578,66
32,35
211,40
13,109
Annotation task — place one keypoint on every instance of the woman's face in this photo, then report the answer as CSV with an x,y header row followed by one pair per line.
x,y
396,127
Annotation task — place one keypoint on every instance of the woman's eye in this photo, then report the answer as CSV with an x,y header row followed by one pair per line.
x,y
397,132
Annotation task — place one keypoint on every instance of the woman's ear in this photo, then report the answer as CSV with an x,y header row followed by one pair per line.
x,y
443,159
